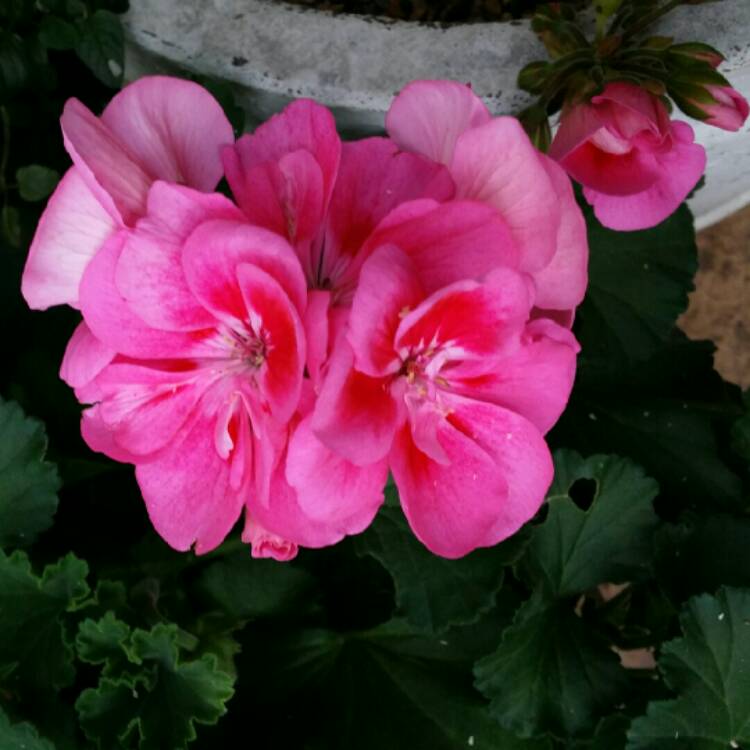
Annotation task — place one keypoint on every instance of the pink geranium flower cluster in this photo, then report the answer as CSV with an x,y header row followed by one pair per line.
x,y
396,304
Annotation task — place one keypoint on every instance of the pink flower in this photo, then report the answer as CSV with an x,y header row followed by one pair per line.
x,y
453,391
492,160
265,544
204,314
635,164
728,111
155,129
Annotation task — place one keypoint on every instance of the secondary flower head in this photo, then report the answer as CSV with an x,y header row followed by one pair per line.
x,y
635,164
728,110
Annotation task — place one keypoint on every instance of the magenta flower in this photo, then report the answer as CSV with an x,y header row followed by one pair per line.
x,y
157,128
636,166
492,160
452,390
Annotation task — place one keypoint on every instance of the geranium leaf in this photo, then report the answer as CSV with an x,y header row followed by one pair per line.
x,y
28,484
575,549
390,687
21,736
550,673
153,696
638,286
245,588
431,592
101,46
31,629
709,669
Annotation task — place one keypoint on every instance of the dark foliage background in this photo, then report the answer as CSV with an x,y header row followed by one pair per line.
x,y
109,639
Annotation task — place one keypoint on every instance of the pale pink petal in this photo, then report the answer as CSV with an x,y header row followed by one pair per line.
x,y
303,126
215,249
274,320
681,168
374,178
85,357
149,272
535,381
329,488
187,488
447,242
110,171
355,415
497,164
388,289
112,322
71,230
561,285
173,128
499,471
577,125
264,544
427,117
145,407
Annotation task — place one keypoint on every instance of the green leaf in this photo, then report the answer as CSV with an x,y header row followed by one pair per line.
x,y
741,431
245,588
389,687
550,673
709,669
21,736
35,182
28,484
638,286
10,222
31,628
574,549
432,592
151,695
56,33
101,47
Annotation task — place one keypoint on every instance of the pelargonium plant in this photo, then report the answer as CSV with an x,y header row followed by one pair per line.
x,y
357,358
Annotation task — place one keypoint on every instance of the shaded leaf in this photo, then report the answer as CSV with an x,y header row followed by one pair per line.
x,y
709,669
550,673
36,182
21,736
101,46
432,592
57,33
31,629
28,484
574,549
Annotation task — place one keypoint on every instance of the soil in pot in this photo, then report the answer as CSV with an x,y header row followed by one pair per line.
x,y
440,11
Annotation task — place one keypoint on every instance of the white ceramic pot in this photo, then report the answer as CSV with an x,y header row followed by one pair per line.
x,y
273,52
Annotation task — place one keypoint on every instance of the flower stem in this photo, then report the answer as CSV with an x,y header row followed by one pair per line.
x,y
649,18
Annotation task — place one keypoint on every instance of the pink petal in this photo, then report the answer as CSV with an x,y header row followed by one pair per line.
x,y
173,128
187,488
447,242
355,416
149,272
499,471
100,437
303,126
561,285
85,357
274,318
71,230
265,544
577,125
112,322
317,331
215,249
388,288
374,177
145,407
681,168
329,488
535,381
427,117
475,320
117,180
631,107
730,110
497,164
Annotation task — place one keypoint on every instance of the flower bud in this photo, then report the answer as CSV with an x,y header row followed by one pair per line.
x,y
698,52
